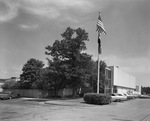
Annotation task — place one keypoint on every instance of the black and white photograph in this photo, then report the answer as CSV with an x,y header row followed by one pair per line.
x,y
81,60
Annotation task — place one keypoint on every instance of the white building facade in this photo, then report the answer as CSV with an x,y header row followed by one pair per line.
x,y
120,81
2,81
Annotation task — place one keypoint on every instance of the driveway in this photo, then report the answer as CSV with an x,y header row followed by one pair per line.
x,y
73,110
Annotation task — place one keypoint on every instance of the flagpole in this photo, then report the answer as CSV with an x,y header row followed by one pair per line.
x,y
98,76
100,29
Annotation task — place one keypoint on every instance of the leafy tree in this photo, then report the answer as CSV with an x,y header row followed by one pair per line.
x,y
68,54
31,74
145,90
103,80
92,70
54,77
10,85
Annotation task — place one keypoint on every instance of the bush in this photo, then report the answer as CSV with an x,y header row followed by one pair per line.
x,y
130,97
10,85
144,96
99,99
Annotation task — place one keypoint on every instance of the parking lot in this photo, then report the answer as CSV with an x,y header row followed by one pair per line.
x,y
21,109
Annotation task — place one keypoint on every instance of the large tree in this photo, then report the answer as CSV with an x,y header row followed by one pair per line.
x,y
69,53
54,76
103,81
92,70
145,90
31,74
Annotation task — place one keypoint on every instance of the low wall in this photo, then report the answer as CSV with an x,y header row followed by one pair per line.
x,y
35,93
65,92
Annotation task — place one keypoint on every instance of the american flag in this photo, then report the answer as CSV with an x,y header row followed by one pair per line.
x,y
100,29
100,25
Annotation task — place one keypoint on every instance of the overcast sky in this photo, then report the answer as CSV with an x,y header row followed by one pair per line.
x,y
28,26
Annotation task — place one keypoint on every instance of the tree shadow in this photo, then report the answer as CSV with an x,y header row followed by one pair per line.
x,y
117,119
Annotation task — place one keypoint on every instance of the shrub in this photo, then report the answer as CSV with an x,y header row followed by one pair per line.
x,y
130,97
99,99
10,85
144,96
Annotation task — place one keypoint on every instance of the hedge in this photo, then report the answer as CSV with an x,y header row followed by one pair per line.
x,y
130,97
99,99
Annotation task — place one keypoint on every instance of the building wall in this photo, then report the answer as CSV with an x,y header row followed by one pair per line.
x,y
124,90
1,83
121,80
108,85
138,89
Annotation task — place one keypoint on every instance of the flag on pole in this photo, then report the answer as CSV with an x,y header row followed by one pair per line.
x,y
99,45
100,25
100,29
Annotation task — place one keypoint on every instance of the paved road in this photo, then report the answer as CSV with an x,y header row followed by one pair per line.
x,y
74,110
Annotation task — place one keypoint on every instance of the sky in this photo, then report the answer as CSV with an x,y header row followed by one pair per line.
x,y
28,26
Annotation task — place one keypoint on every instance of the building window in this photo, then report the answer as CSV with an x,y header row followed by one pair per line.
x,y
115,89
108,73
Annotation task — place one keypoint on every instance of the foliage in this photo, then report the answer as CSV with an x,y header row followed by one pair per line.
x,y
68,54
70,66
144,97
10,85
84,90
99,99
103,80
130,97
54,77
31,74
92,70
145,90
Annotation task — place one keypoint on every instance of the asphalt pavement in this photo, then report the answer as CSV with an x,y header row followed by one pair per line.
x,y
25,109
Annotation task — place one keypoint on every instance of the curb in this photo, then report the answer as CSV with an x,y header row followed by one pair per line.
x,y
34,99
61,103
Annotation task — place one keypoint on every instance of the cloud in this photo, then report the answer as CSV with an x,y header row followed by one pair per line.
x,y
8,10
50,9
137,65
69,18
60,4
56,9
3,73
43,11
28,27
131,65
62,10
17,68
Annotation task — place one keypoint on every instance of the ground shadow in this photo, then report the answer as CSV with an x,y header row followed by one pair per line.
x,y
117,119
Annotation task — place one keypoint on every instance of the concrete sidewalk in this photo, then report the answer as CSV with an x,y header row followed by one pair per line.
x,y
66,102
62,102
35,99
